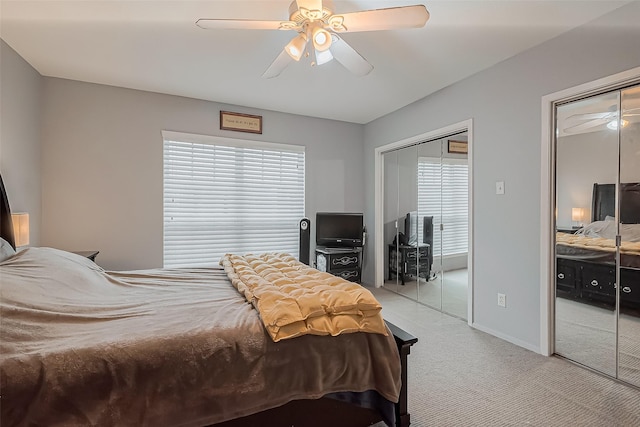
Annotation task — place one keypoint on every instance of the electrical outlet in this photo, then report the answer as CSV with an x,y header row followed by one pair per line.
x,y
502,300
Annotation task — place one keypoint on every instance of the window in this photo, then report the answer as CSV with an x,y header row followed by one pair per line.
x,y
449,206
229,196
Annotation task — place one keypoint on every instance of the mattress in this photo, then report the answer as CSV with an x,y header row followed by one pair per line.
x,y
596,243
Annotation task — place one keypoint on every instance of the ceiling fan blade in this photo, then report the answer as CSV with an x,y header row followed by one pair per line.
x,y
588,116
588,125
382,19
238,24
278,65
349,58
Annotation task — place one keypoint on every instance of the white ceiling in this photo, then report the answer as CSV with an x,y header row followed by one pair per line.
x,y
156,46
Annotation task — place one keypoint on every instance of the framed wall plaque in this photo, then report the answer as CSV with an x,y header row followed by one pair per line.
x,y
460,147
240,122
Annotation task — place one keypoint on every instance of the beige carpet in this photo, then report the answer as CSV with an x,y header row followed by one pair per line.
x,y
459,376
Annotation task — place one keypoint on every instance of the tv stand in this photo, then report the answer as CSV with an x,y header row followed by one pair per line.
x,y
406,260
342,262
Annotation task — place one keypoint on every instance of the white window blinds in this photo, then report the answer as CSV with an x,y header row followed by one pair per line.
x,y
449,206
229,196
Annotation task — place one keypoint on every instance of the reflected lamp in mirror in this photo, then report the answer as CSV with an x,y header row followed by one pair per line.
x,y
21,228
577,216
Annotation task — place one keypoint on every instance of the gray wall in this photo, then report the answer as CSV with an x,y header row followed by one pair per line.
x,y
504,102
20,136
102,165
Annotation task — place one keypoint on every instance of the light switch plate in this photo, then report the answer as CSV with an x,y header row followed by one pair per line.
x,y
499,187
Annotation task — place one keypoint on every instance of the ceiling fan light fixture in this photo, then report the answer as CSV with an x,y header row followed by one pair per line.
x,y
295,48
613,124
321,39
322,57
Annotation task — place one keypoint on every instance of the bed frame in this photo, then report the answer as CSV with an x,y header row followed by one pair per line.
x,y
594,282
305,412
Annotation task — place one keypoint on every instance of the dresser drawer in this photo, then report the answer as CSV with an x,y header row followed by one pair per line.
x,y
351,274
598,283
331,262
421,269
565,276
343,260
629,285
413,254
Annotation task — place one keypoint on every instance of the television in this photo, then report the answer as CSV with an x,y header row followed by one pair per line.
x,y
339,229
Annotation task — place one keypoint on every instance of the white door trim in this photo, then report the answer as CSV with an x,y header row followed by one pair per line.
x,y
547,193
466,125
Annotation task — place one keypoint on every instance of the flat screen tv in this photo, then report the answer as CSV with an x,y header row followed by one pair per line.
x,y
336,229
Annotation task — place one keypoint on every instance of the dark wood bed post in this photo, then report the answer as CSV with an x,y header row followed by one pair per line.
x,y
404,340
6,224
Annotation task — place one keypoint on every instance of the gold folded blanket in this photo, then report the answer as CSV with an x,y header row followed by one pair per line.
x,y
294,299
597,243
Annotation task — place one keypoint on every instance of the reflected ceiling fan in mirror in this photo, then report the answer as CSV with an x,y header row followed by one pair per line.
x,y
318,29
590,122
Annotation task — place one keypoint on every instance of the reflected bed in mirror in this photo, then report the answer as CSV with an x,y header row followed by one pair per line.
x,y
586,260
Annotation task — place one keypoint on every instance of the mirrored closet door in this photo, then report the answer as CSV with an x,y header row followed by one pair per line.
x,y
597,205
426,223
629,250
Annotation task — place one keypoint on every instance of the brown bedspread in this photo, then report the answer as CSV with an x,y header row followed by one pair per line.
x,y
81,346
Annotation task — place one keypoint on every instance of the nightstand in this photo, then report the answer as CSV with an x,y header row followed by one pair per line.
x,y
88,254
341,262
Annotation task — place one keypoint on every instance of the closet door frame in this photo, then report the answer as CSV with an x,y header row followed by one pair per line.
x,y
547,192
463,126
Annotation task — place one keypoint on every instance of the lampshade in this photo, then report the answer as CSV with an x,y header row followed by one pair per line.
x,y
21,228
323,57
577,214
295,48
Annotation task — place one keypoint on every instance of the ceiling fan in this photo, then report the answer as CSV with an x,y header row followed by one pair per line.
x,y
318,29
588,122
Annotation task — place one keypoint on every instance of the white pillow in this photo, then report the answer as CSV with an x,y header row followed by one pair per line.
x,y
607,229
6,250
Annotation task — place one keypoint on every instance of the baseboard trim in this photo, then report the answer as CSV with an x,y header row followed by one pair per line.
x,y
508,338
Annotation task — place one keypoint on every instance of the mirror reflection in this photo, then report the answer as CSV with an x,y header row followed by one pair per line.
x,y
598,233
431,241
629,289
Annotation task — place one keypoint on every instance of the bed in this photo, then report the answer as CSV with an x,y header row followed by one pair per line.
x,y
175,347
586,258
